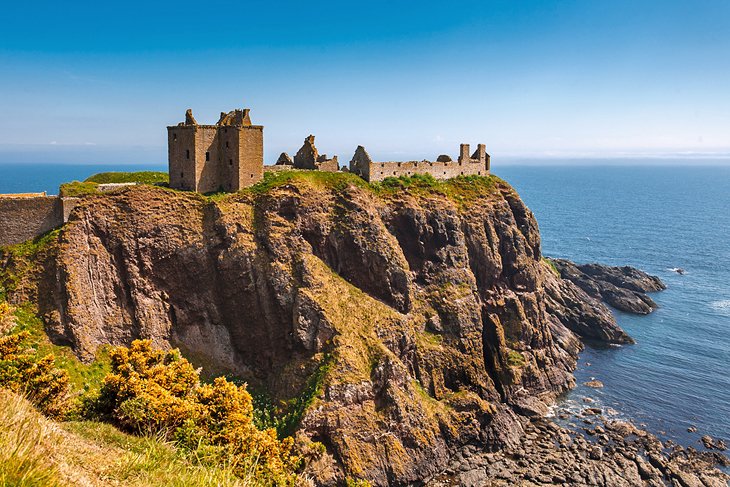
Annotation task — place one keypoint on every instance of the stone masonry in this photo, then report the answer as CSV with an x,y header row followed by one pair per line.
x,y
227,156
308,157
476,164
23,217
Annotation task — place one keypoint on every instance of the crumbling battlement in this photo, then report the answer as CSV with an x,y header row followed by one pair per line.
x,y
227,156
444,167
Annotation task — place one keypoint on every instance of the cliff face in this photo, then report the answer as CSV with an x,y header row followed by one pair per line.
x,y
416,321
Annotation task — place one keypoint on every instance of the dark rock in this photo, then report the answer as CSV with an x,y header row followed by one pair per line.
x,y
624,288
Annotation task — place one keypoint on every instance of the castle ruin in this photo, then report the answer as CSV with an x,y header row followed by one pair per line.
x,y
227,156
476,164
308,157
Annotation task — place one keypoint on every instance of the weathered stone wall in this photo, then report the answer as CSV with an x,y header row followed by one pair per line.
x,y
181,156
24,218
251,156
440,170
444,168
206,158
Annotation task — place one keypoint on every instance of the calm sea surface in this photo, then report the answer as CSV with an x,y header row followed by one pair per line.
x,y
654,218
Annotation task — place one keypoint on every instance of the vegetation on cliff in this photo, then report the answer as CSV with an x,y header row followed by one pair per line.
x,y
158,392
385,325
193,432
91,184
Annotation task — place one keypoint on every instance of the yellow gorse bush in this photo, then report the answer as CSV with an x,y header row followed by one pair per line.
x,y
159,392
23,371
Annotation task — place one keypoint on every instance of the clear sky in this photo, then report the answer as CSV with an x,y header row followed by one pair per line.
x,y
99,81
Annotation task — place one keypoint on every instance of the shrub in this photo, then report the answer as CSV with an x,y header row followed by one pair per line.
x,y
158,392
22,370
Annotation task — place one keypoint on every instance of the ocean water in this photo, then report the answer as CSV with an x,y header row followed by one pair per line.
x,y
654,218
36,178
677,375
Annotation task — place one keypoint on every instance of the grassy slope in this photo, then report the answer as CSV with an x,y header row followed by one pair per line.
x,y
90,185
35,451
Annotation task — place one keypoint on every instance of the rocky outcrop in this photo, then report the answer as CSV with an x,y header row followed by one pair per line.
x,y
609,453
583,314
407,323
624,288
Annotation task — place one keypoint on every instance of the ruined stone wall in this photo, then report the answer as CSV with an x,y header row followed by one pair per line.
x,y
228,166
207,159
181,157
444,168
251,156
22,219
330,165
377,171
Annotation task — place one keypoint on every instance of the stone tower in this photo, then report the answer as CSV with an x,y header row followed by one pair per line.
x,y
227,156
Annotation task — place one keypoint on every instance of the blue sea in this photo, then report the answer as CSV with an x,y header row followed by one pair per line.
x,y
655,218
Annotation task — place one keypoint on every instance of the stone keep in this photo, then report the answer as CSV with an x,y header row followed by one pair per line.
x,y
227,156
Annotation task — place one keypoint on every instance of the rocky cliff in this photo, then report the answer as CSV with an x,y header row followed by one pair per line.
x,y
404,323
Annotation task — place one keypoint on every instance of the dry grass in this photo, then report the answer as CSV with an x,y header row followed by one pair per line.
x,y
35,451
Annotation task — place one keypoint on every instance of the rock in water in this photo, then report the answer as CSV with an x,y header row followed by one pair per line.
x,y
624,288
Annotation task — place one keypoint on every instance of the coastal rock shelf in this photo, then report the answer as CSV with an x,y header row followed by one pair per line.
x,y
624,288
404,324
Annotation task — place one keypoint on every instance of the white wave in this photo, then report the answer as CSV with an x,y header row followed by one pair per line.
x,y
722,306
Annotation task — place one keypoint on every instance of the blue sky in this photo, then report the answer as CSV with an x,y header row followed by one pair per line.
x,y
98,82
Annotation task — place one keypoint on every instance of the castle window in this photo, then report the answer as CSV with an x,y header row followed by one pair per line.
x,y
230,162
187,154
207,156
174,136
182,175
226,144
479,173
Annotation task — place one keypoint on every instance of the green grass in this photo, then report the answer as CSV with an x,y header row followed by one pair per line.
x,y
94,454
551,266
286,419
515,359
22,259
78,189
143,177
334,180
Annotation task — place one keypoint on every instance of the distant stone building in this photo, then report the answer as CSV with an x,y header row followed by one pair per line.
x,y
476,164
308,157
227,156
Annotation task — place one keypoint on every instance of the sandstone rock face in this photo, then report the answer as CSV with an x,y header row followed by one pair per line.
x,y
428,319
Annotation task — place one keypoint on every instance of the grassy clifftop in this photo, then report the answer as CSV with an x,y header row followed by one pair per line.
x,y
91,184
